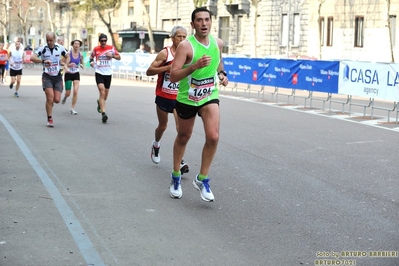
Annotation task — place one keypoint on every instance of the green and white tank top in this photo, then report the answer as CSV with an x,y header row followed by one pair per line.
x,y
202,85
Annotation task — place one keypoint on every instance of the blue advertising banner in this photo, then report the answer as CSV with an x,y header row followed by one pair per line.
x,y
321,76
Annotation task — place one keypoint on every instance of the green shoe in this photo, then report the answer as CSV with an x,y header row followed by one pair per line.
x,y
98,106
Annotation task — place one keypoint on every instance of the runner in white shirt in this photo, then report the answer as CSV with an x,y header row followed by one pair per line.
x,y
16,59
101,59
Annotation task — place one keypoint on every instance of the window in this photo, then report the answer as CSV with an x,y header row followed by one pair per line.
x,y
330,28
130,8
224,33
284,30
392,21
359,27
321,30
296,30
239,29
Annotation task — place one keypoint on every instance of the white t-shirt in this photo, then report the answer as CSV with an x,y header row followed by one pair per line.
x,y
16,61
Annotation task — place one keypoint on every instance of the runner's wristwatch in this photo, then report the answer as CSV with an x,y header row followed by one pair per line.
x,y
222,72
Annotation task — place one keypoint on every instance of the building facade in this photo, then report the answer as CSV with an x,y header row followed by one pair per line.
x,y
323,29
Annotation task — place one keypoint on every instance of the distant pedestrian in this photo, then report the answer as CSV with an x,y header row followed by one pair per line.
x,y
141,50
101,60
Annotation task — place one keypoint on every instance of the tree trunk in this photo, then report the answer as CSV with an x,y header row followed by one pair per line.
x,y
150,33
107,24
49,14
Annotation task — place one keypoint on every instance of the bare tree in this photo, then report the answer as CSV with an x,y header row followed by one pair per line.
x,y
150,34
104,10
5,20
23,15
49,14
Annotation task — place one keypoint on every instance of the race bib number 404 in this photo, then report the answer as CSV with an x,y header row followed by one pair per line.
x,y
169,87
201,88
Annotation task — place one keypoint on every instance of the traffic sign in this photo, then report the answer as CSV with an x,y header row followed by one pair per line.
x,y
141,34
32,31
83,33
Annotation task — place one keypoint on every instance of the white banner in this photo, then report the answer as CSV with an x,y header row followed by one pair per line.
x,y
370,80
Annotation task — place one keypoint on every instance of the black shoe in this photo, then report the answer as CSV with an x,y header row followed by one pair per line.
x,y
105,118
11,85
184,167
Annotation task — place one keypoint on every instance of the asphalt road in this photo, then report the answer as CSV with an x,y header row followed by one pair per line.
x,y
291,187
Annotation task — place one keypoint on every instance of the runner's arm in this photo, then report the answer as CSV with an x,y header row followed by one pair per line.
x,y
156,66
184,55
221,73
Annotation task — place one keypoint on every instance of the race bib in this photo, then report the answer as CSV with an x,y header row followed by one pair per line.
x,y
17,64
53,69
169,87
73,69
104,61
201,88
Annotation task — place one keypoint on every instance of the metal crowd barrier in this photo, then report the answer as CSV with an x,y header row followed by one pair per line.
x,y
244,90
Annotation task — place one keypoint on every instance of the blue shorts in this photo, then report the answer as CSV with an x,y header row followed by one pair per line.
x,y
164,104
8,65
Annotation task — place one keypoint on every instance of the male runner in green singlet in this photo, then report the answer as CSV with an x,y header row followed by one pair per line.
x,y
198,67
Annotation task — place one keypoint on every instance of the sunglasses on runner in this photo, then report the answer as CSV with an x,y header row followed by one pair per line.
x,y
103,40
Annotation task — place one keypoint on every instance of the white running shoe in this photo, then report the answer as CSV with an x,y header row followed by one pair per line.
x,y
50,123
204,189
155,156
175,187
73,112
